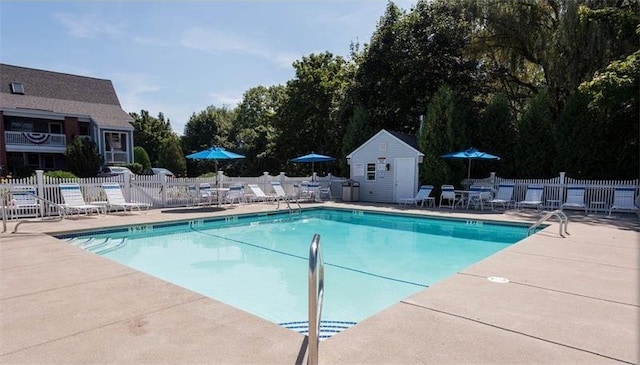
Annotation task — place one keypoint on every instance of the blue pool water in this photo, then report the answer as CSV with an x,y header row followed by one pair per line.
x,y
259,263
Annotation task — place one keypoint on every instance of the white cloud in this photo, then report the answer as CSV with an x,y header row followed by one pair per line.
x,y
213,41
88,25
231,100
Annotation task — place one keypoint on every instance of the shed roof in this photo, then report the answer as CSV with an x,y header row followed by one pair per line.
x,y
407,139
63,93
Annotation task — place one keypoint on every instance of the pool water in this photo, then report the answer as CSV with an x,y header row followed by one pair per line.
x,y
259,263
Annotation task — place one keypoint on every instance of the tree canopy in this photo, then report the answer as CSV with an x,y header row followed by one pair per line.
x,y
548,86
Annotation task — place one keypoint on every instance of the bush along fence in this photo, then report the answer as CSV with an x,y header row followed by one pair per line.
x,y
159,191
598,193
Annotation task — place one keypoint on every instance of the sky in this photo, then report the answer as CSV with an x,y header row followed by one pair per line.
x,y
179,57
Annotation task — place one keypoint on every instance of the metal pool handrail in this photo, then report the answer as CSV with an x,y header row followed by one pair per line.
x,y
3,197
564,221
316,294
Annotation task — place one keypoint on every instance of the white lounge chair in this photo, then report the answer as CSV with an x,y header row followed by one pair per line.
x,y
421,197
259,194
448,193
575,198
532,198
23,202
624,199
280,194
235,194
504,196
74,201
116,199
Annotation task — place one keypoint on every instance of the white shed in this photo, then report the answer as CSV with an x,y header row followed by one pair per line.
x,y
386,166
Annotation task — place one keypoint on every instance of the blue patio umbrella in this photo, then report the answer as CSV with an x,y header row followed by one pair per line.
x,y
214,153
470,154
313,158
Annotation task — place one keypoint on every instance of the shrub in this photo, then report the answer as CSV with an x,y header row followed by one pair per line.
x,y
135,167
61,174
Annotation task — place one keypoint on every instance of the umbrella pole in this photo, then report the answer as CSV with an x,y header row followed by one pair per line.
x,y
469,170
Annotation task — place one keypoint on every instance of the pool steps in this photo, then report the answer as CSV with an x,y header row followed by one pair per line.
x,y
327,328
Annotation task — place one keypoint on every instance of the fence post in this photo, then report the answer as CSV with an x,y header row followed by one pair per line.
x,y
127,184
265,178
562,174
220,179
163,189
40,189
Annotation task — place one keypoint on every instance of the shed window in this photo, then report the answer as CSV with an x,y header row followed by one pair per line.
x,y
17,88
371,171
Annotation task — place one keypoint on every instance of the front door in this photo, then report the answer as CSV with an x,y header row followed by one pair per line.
x,y
405,177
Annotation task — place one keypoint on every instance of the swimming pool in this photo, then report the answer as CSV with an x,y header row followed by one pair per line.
x,y
259,263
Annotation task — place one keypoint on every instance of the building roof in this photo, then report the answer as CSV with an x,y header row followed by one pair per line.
x,y
409,139
64,94
406,139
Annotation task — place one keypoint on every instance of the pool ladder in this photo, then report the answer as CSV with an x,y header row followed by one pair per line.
x,y
316,295
564,222
47,204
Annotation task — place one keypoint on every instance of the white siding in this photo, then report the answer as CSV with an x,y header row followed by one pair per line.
x,y
381,190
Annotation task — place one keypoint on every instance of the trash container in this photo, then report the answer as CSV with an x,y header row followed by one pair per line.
x,y
350,191
355,191
346,191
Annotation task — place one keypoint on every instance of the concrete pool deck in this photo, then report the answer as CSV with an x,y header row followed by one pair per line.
x,y
571,300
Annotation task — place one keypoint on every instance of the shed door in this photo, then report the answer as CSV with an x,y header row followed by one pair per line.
x,y
405,177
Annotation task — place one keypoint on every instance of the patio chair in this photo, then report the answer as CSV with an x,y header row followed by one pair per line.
x,y
504,196
258,194
309,191
479,195
74,201
208,193
532,198
324,193
421,197
280,194
235,193
116,200
575,198
23,202
624,199
448,193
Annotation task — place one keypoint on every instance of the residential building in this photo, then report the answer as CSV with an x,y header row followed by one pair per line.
x,y
42,111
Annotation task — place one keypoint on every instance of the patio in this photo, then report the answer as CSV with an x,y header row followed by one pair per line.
x,y
569,300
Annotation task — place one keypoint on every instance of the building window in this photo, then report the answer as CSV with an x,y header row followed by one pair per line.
x,y
55,128
371,171
17,88
115,141
18,126
83,129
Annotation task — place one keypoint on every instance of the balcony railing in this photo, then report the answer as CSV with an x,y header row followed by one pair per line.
x,y
35,139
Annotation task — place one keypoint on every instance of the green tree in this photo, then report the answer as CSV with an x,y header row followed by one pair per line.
x,y
410,56
614,108
358,131
140,156
444,130
535,151
209,128
83,158
308,119
495,133
547,46
172,157
149,132
254,130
